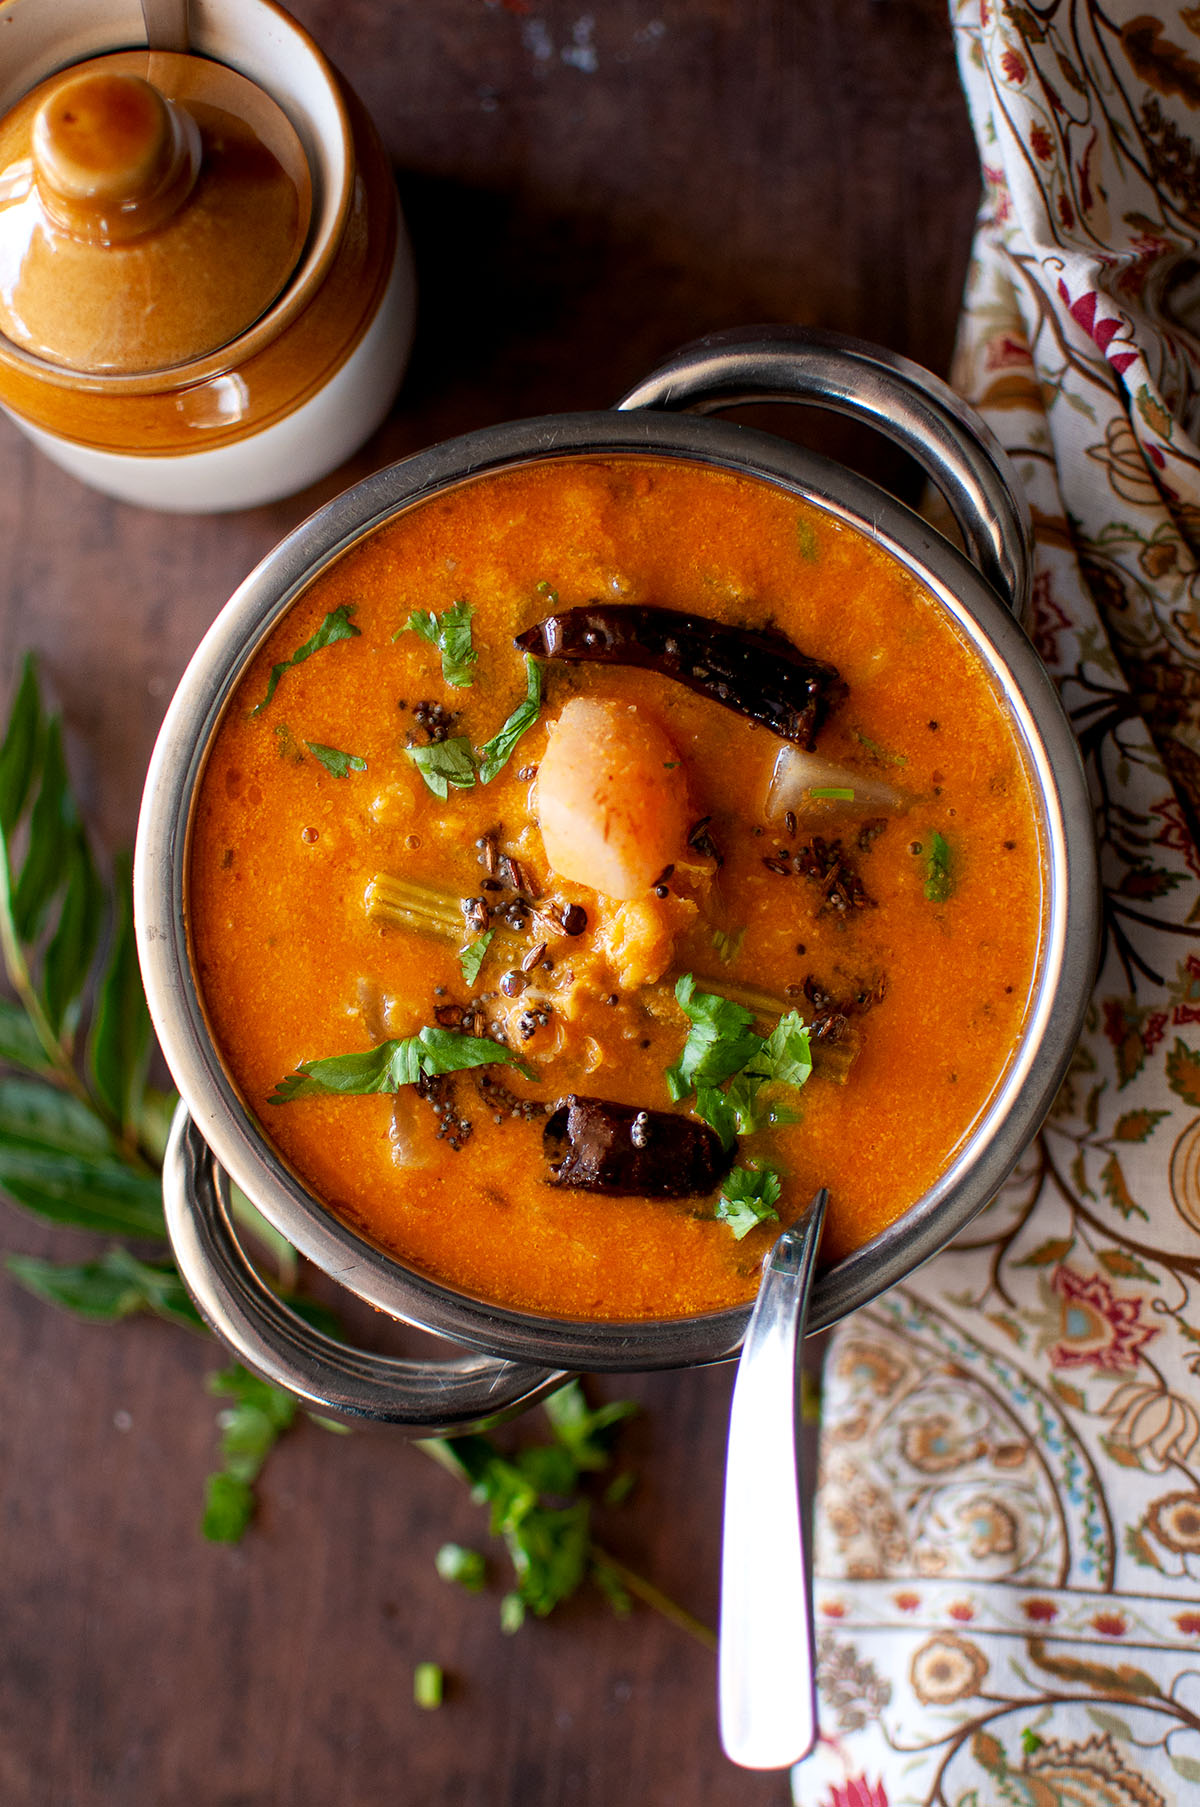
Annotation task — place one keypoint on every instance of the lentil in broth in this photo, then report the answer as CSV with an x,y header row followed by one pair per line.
x,y
906,937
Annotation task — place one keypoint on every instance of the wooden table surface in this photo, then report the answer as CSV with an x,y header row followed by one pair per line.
x,y
585,192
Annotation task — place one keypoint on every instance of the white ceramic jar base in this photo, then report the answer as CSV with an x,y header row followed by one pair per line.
x,y
289,455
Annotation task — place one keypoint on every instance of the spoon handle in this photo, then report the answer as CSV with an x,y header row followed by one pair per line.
x,y
766,1673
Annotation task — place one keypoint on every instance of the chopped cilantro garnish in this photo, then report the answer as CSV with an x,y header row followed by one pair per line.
x,y
395,1063
939,880
535,1501
838,793
785,1055
450,632
719,1042
444,763
455,762
455,1562
339,763
496,752
470,958
721,1046
336,626
749,1196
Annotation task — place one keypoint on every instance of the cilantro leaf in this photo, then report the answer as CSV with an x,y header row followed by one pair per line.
x,y
455,1562
939,879
250,1428
455,762
445,763
496,752
429,1685
749,1196
336,626
339,763
471,957
450,632
586,1433
395,1063
719,1042
786,1055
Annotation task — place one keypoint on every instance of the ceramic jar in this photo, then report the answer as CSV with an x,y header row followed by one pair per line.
x,y
206,289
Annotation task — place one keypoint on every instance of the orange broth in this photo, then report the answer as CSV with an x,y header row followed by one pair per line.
x,y
293,966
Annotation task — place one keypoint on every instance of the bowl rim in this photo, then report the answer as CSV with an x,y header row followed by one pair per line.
x,y
1065,966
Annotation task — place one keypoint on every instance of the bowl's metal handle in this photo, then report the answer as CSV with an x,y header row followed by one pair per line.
x,y
426,1398
905,402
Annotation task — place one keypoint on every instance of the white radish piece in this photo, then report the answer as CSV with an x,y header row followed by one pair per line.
x,y
611,798
799,779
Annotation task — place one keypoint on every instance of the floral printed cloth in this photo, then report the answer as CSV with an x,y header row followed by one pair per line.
x,y
1008,1539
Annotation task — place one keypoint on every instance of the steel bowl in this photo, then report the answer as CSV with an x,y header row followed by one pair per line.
x,y
506,1358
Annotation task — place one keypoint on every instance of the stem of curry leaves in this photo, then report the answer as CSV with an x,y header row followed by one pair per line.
x,y
82,1143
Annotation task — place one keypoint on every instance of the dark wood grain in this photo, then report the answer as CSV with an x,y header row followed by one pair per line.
x,y
585,192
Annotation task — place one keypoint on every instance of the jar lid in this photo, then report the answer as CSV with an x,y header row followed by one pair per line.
x,y
152,207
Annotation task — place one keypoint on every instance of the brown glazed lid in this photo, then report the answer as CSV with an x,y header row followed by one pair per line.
x,y
152,207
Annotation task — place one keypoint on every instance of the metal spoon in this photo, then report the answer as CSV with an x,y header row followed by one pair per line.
x,y
766,1673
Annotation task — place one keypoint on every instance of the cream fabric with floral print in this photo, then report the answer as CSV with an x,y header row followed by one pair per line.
x,y
1008,1536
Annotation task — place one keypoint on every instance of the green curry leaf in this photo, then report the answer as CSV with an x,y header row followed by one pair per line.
x,y
444,763
335,761
471,957
336,626
495,753
394,1064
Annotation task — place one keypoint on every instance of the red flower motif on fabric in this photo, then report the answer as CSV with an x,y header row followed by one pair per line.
x,y
1098,1329
1066,212
1048,619
962,1610
1176,835
1189,1622
907,1602
857,1792
1006,351
1014,67
1041,1612
832,1609
1153,1030
1041,143
1110,1624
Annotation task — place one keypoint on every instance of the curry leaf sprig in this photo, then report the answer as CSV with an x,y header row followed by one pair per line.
x,y
82,1137
82,1129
